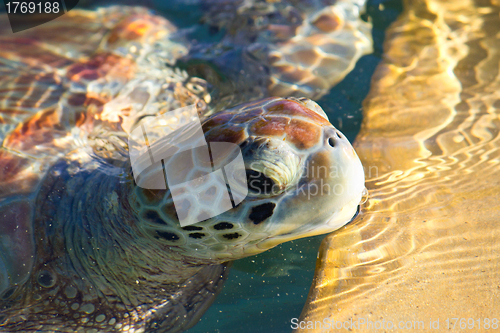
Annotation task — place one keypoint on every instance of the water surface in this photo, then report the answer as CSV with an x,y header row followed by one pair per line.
x,y
426,247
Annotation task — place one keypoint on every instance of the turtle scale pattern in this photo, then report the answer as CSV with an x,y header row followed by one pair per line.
x,y
289,48
65,115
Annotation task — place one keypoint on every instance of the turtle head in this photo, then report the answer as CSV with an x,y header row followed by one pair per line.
x,y
301,177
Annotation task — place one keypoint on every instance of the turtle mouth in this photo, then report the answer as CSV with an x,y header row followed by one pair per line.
x,y
355,214
314,229
311,230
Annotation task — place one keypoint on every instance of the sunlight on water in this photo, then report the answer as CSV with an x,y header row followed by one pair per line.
x,y
426,245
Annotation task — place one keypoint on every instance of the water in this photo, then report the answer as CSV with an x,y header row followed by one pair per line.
x,y
426,248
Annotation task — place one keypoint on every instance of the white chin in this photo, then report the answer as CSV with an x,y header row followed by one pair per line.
x,y
345,215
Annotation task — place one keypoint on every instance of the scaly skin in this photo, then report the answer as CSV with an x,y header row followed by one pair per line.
x,y
93,259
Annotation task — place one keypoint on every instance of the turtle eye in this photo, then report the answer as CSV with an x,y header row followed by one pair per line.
x,y
259,183
271,166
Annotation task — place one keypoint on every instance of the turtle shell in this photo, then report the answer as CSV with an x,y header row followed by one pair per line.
x,y
73,88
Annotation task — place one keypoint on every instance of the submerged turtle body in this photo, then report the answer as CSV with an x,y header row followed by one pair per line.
x,y
83,247
305,46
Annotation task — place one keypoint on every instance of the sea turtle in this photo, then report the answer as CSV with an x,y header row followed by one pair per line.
x,y
83,247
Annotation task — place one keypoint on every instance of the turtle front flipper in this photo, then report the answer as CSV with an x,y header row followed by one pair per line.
x,y
286,48
185,308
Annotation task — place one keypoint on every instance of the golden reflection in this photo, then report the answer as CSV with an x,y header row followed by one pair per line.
x,y
426,246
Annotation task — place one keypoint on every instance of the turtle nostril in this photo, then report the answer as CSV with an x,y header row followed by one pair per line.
x,y
338,134
331,142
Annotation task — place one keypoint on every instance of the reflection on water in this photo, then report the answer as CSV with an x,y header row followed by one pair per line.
x,y
426,247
